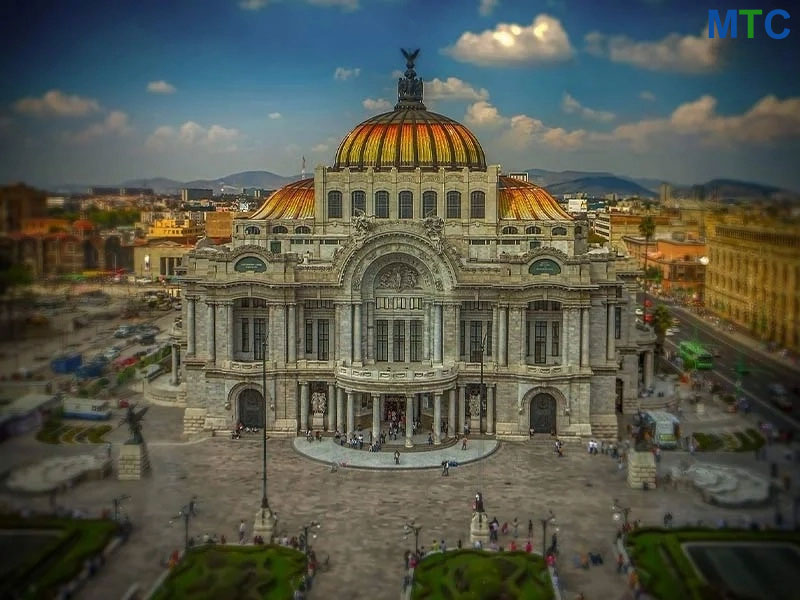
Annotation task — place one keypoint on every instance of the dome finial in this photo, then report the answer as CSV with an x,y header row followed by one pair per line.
x,y
409,87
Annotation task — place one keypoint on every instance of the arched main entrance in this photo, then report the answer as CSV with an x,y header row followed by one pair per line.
x,y
543,413
251,408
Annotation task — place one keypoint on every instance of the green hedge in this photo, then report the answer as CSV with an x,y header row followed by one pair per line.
x,y
126,375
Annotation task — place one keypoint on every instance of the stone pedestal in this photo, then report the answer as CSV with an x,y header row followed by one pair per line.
x,y
479,529
700,408
318,421
133,462
265,524
641,470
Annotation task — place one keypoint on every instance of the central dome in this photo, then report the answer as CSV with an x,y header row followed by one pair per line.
x,y
410,136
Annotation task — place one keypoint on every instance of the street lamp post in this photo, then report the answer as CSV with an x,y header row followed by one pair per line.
x,y
186,514
310,525
117,501
551,518
621,512
264,503
408,528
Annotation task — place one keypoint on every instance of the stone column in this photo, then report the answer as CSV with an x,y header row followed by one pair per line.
x,y
340,415
584,337
291,334
191,344
409,419
610,350
490,409
437,418
451,413
230,326
346,334
351,415
376,416
566,339
462,408
437,333
174,377
371,330
305,394
357,332
331,406
212,332
426,329
649,359
495,333
301,330
502,343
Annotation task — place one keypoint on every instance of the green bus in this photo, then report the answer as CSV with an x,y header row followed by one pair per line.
x,y
695,356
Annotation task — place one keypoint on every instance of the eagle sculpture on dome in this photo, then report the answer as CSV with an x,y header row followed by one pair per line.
x,y
411,56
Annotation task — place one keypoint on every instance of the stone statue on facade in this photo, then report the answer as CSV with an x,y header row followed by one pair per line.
x,y
361,223
318,403
410,87
434,228
475,403
399,277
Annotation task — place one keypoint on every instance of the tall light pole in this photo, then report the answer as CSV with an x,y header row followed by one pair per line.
x,y
411,527
310,525
545,521
620,512
264,503
117,501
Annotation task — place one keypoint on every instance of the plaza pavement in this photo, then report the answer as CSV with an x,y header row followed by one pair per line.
x,y
362,511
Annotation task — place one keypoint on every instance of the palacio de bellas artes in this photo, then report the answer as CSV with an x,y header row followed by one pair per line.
x,y
398,279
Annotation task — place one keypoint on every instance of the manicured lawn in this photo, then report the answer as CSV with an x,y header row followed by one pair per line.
x,y
55,432
476,575
739,441
53,555
667,573
241,572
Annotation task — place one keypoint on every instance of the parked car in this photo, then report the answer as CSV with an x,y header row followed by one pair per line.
x,y
112,353
123,331
638,312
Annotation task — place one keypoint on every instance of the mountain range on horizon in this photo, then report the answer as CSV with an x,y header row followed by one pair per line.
x,y
558,183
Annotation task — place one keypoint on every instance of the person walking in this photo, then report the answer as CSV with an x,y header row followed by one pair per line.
x,y
464,443
515,525
530,528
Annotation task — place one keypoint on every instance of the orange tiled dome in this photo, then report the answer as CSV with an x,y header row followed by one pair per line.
x,y
408,138
522,200
293,201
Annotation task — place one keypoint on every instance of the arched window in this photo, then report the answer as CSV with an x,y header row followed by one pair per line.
x,y
302,229
510,230
252,230
382,204
359,201
559,231
334,205
280,229
405,205
533,230
453,205
428,204
477,205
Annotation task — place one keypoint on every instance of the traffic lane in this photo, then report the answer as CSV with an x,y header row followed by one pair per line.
x,y
756,382
758,405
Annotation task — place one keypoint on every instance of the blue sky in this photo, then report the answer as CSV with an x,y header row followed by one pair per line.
x,y
102,92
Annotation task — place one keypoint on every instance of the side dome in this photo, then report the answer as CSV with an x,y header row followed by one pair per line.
x,y
521,200
410,136
293,201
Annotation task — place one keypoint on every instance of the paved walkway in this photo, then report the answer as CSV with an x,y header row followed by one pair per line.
x,y
328,451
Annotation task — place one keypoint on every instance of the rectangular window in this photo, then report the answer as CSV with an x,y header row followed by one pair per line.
x,y
416,340
259,337
428,204
527,338
453,205
555,346
540,342
275,247
245,335
309,336
245,302
399,341
322,339
488,338
617,322
359,202
475,340
477,205
405,205
381,340
334,205
462,336
382,205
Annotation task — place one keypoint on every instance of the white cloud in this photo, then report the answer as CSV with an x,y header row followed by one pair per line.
x,y
544,40
525,131
320,148
767,120
275,115
378,104
647,95
57,103
193,135
483,114
343,73
346,5
115,123
571,106
397,74
486,7
675,52
453,88
160,87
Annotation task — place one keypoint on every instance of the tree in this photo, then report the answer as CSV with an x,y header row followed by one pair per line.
x,y
647,227
662,321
